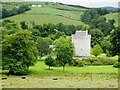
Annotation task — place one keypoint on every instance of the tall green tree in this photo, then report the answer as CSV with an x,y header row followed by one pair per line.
x,y
43,46
64,51
115,41
18,52
96,36
50,61
97,50
106,46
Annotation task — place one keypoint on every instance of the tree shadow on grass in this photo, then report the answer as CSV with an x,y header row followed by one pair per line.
x,y
3,72
49,69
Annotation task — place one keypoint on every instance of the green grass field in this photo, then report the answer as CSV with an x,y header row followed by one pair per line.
x,y
72,77
51,14
40,69
113,16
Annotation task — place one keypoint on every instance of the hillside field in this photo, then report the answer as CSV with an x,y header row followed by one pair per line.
x,y
113,16
51,13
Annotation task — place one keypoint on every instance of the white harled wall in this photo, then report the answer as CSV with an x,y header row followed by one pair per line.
x,y
82,43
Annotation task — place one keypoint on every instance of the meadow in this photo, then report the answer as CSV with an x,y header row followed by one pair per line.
x,y
51,13
72,77
113,16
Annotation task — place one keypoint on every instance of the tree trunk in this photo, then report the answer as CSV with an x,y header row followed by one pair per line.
x,y
118,58
11,72
63,67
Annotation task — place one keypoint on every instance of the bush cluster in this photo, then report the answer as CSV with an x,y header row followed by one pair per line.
x,y
77,62
117,65
94,61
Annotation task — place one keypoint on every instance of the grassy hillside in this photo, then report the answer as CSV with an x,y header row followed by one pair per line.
x,y
51,13
113,16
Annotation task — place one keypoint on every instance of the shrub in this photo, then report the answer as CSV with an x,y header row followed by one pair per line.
x,y
86,61
18,52
117,65
102,61
97,50
80,63
111,61
90,61
49,61
75,62
99,61
95,61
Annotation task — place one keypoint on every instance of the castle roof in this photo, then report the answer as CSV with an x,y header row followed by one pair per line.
x,y
81,33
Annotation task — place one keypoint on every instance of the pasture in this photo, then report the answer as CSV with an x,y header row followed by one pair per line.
x,y
72,77
113,16
51,13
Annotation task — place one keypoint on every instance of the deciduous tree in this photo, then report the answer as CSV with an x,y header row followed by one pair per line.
x,y
18,52
49,61
97,50
64,51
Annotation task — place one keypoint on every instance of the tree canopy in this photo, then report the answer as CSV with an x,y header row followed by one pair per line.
x,y
64,51
43,46
50,61
97,50
115,41
19,52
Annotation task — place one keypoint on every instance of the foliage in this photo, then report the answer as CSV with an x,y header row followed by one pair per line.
x,y
113,16
77,62
6,12
96,36
35,33
43,46
115,41
67,29
64,51
105,26
9,27
91,14
51,29
58,34
80,64
106,46
6,21
45,29
24,25
99,61
18,52
94,18
97,50
50,61
117,65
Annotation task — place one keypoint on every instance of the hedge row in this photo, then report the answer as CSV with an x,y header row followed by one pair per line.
x,y
94,61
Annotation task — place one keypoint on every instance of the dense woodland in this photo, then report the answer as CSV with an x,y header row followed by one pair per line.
x,y
22,44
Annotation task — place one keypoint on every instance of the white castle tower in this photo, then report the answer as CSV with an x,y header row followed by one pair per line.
x,y
82,43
